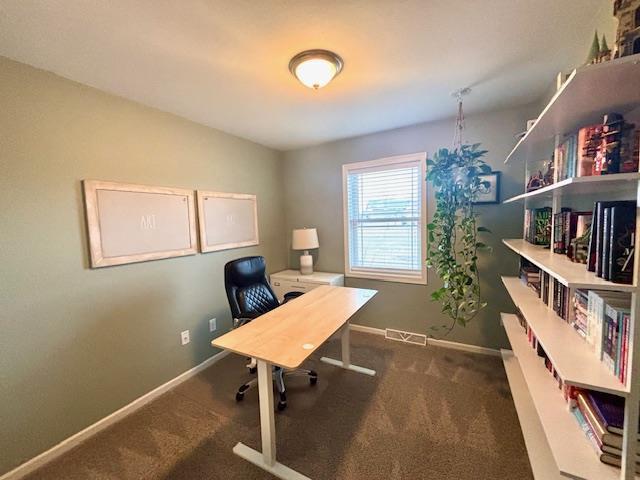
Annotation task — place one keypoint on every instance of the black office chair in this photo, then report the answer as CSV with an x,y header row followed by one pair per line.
x,y
250,296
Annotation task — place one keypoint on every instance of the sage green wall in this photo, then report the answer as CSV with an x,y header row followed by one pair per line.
x,y
313,182
76,344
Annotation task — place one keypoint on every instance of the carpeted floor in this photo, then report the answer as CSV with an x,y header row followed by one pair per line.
x,y
431,413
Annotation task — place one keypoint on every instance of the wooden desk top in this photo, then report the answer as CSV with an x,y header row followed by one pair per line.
x,y
287,335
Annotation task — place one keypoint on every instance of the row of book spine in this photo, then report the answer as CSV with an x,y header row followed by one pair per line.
x,y
537,226
599,415
606,327
601,149
571,235
612,242
600,318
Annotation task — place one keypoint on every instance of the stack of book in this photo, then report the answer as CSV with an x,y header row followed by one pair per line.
x,y
612,241
601,417
530,275
537,226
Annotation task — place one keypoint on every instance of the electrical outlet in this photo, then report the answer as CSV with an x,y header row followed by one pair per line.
x,y
213,325
184,337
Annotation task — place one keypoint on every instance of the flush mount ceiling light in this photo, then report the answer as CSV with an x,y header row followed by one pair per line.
x,y
315,68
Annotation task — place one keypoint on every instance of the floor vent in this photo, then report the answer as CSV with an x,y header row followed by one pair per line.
x,y
406,337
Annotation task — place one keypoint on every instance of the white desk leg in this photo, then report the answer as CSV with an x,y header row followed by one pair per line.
x,y
267,459
346,356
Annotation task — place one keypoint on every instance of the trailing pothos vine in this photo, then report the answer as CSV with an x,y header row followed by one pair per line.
x,y
453,234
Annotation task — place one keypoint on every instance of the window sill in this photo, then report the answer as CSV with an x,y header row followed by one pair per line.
x,y
387,277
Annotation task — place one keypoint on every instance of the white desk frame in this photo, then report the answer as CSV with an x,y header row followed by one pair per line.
x,y
267,458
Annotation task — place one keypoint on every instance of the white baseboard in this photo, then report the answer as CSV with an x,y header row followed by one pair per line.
x,y
463,346
363,328
67,444
433,342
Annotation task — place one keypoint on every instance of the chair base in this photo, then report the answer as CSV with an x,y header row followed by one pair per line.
x,y
278,380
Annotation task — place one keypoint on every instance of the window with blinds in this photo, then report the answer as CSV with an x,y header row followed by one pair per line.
x,y
384,218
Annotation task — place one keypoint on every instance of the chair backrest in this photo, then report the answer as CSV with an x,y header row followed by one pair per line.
x,y
248,290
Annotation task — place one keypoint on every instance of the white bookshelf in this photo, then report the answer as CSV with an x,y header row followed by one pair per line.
x,y
572,357
589,92
570,274
543,465
571,449
583,185
554,439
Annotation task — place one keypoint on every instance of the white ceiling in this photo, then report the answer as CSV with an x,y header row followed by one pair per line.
x,y
224,63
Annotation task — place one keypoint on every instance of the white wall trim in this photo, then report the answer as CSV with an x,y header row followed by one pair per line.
x,y
365,329
467,347
67,444
433,342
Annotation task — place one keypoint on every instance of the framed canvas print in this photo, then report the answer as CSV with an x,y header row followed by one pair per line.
x,y
227,220
490,194
134,223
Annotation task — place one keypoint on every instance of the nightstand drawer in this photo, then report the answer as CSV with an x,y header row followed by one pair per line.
x,y
280,287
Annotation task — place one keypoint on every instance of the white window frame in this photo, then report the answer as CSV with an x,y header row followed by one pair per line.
x,y
378,273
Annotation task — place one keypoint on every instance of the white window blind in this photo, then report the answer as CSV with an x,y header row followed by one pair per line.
x,y
384,210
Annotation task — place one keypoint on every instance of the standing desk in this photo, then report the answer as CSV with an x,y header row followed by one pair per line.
x,y
285,337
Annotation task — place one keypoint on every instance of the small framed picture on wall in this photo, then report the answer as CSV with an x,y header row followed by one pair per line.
x,y
490,193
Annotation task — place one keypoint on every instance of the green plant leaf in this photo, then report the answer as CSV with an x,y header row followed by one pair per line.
x,y
452,245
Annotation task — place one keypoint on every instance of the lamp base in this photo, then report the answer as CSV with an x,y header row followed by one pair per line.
x,y
306,263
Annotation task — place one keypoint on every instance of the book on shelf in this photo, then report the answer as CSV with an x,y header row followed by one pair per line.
x,y
596,304
621,242
537,226
607,454
580,304
616,461
610,411
589,141
623,251
604,148
530,275
591,250
559,227
613,332
577,226
561,300
544,287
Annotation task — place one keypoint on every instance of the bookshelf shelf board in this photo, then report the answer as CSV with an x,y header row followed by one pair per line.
x,y
582,185
570,447
582,100
571,355
570,274
541,459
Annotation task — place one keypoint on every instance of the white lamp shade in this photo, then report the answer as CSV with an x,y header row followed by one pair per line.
x,y
304,239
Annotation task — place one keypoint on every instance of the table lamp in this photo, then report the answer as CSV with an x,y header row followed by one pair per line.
x,y
305,239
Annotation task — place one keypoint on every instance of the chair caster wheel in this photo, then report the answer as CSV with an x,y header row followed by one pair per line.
x,y
239,396
313,380
253,370
282,406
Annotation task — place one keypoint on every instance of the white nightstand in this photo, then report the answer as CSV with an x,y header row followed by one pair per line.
x,y
293,281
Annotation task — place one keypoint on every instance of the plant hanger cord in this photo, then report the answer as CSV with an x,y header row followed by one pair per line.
x,y
459,129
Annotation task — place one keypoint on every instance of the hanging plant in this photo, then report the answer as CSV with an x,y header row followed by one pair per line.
x,y
453,244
